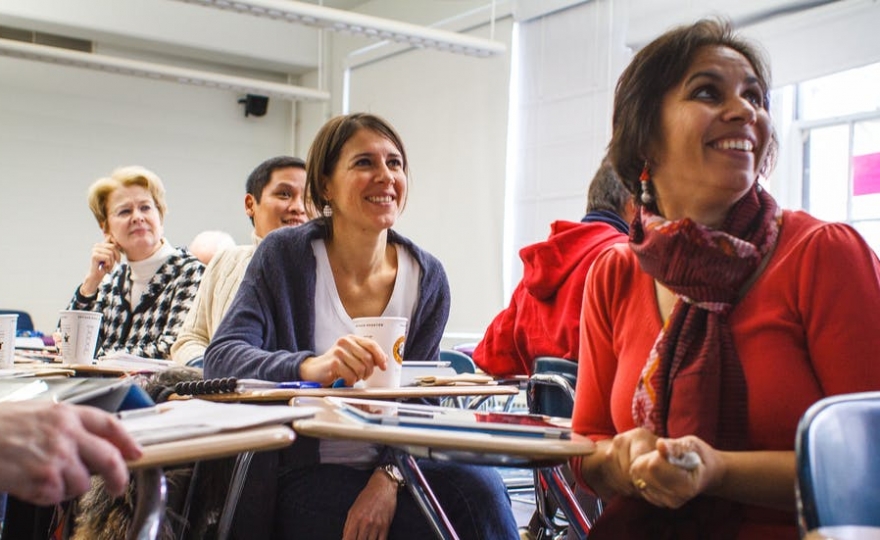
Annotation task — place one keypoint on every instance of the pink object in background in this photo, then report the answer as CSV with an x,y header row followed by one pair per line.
x,y
866,174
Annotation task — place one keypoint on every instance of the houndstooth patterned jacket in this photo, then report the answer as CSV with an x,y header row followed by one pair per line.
x,y
150,328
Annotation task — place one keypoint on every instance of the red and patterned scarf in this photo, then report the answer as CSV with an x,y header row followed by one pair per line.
x,y
693,382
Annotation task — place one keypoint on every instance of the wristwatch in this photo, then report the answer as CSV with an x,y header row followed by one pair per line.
x,y
392,471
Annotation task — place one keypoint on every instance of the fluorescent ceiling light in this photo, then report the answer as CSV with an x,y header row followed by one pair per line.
x,y
360,24
148,70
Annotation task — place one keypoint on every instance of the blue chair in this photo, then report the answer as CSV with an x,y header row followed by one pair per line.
x,y
458,361
838,462
25,323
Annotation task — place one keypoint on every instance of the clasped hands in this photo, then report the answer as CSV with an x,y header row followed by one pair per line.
x,y
637,463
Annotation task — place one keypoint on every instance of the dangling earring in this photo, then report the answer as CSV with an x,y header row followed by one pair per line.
x,y
327,211
645,179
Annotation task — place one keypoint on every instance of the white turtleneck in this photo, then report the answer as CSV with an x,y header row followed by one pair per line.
x,y
142,271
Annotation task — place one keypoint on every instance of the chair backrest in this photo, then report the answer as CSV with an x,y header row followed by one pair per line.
x,y
458,361
838,462
25,323
551,386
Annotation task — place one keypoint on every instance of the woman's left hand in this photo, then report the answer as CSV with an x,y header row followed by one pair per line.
x,y
663,484
369,518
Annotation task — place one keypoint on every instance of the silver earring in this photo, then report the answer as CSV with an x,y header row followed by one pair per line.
x,y
327,211
645,180
646,196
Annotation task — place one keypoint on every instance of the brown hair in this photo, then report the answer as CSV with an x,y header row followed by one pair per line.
x,y
133,175
327,146
653,71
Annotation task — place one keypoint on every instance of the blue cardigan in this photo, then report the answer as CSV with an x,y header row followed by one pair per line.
x,y
270,327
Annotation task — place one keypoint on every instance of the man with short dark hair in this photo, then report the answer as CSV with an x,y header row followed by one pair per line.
x,y
275,198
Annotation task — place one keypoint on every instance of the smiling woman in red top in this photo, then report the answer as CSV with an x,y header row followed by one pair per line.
x,y
711,333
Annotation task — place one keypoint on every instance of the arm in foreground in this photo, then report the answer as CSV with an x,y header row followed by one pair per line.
x,y
49,451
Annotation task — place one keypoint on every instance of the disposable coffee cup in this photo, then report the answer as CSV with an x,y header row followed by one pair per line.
x,y
8,326
390,334
79,335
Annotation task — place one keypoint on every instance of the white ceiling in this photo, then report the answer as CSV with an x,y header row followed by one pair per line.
x,y
190,35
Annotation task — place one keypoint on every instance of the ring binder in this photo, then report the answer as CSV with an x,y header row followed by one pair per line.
x,y
223,385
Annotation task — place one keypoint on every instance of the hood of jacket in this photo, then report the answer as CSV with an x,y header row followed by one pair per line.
x,y
547,264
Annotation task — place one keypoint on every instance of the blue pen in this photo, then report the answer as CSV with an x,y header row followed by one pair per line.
x,y
299,384
338,383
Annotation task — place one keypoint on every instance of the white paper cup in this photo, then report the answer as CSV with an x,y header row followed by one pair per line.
x,y
390,334
79,335
8,326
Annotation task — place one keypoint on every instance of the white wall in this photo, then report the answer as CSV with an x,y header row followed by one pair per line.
x,y
61,128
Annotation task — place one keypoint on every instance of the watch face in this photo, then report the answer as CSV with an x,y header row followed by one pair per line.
x,y
394,473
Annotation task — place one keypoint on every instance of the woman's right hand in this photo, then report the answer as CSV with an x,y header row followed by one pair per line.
x,y
105,255
607,471
351,358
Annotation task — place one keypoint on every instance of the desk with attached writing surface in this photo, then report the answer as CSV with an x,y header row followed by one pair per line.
x,y
405,392
150,479
445,445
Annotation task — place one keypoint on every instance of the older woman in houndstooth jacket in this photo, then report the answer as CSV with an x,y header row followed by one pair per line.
x,y
140,283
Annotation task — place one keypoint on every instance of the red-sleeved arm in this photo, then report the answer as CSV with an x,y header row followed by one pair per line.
x,y
499,353
839,298
597,360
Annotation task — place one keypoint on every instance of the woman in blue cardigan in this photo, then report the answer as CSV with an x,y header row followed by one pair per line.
x,y
292,320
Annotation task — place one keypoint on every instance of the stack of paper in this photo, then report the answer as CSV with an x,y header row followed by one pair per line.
x,y
176,420
130,362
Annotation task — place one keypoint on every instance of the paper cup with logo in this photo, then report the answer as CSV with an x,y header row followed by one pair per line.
x,y
8,326
390,334
79,335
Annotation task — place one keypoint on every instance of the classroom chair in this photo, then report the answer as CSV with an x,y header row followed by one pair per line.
x,y
837,449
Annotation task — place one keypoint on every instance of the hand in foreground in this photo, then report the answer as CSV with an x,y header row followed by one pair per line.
x,y
351,358
105,255
48,451
662,483
369,518
617,458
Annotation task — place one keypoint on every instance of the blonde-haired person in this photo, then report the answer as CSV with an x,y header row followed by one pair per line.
x,y
142,285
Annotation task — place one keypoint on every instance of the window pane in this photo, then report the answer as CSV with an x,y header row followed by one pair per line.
x,y
870,230
841,94
866,170
826,172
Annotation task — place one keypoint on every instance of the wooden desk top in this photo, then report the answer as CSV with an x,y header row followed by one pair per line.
x,y
459,445
844,532
219,445
405,392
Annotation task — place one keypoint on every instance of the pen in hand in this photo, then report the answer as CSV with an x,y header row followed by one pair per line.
x,y
688,461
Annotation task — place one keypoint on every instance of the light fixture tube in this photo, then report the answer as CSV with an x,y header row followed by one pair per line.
x,y
360,24
148,70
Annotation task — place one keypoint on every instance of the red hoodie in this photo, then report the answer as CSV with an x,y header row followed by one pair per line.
x,y
544,312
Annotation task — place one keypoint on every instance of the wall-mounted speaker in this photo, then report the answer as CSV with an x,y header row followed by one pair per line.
x,y
254,105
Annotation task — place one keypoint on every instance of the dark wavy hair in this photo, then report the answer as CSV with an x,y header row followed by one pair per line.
x,y
655,69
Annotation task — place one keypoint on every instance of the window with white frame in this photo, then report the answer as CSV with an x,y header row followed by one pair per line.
x,y
839,122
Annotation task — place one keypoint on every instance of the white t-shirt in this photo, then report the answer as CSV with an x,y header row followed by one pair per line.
x,y
332,322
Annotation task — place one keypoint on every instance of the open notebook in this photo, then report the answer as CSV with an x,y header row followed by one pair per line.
x,y
430,416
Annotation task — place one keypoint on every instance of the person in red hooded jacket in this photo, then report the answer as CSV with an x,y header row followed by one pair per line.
x,y
544,312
